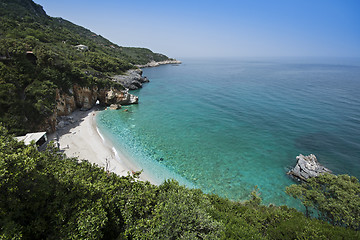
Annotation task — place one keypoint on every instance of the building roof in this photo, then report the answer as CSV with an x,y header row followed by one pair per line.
x,y
31,137
82,47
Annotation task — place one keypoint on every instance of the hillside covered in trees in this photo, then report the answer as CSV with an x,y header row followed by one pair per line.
x,y
45,195
39,54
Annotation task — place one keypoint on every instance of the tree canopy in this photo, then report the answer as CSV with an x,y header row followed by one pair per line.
x,y
331,198
38,55
45,195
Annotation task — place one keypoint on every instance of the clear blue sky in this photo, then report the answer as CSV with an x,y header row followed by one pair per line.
x,y
223,28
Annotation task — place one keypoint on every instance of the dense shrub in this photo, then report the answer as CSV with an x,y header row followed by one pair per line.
x,y
54,62
45,195
335,199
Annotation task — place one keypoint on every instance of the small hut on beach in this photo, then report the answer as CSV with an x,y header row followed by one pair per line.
x,y
40,139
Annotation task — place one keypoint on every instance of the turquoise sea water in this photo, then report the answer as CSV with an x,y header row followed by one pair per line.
x,y
225,126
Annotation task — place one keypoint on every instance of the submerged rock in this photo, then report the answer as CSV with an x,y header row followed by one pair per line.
x,y
307,167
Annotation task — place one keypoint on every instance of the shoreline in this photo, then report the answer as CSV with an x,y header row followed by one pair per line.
x,y
156,64
81,138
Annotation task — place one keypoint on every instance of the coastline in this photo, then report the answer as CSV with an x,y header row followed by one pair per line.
x,y
82,139
155,64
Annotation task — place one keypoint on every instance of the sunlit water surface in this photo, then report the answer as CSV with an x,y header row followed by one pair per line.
x,y
225,126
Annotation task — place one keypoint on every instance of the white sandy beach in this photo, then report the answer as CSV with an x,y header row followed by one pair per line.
x,y
82,139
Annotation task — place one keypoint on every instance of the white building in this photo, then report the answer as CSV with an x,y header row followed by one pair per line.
x,y
40,138
82,47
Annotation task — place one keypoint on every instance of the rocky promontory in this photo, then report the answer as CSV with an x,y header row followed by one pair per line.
x,y
155,64
85,98
307,167
132,79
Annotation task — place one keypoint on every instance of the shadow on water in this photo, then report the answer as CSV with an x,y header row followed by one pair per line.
x,y
319,140
335,152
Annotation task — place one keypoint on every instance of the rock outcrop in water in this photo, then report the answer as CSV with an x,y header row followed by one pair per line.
x,y
307,167
132,79
114,96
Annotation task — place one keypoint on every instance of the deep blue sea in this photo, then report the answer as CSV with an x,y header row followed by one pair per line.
x,y
226,125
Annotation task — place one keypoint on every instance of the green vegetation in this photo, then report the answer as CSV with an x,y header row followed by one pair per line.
x,y
47,195
332,198
38,56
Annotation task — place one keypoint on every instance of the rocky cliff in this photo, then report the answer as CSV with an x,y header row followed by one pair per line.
x,y
84,98
132,79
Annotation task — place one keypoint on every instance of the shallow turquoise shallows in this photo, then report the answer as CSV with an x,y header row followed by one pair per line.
x,y
225,126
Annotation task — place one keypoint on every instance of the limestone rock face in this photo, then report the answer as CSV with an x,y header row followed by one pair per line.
x,y
84,98
65,103
115,106
132,79
112,96
307,167
48,125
